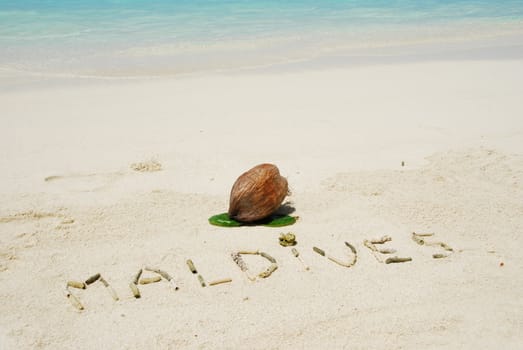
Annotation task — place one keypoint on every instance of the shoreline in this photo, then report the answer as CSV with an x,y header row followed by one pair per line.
x,y
502,47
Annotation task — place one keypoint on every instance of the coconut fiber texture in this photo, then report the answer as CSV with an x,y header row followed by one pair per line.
x,y
257,193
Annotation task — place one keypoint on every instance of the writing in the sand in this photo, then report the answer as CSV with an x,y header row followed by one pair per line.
x,y
378,247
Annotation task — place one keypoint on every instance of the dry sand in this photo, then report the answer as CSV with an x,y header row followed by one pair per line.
x,y
73,204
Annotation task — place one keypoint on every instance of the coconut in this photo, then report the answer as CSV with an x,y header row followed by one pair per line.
x,y
257,193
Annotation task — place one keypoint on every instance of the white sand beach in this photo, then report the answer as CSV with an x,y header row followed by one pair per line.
x,y
371,150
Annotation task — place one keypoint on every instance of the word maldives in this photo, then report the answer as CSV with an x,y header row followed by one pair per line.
x,y
375,246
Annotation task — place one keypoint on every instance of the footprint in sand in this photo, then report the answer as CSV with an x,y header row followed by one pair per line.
x,y
32,215
25,221
23,231
92,182
85,182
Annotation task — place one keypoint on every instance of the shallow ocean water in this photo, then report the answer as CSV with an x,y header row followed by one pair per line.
x,y
128,38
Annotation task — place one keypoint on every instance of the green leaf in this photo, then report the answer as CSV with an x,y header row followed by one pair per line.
x,y
280,221
223,220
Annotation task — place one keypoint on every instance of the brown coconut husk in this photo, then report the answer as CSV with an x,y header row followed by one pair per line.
x,y
257,193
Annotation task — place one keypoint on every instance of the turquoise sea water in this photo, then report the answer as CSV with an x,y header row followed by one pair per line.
x,y
115,38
